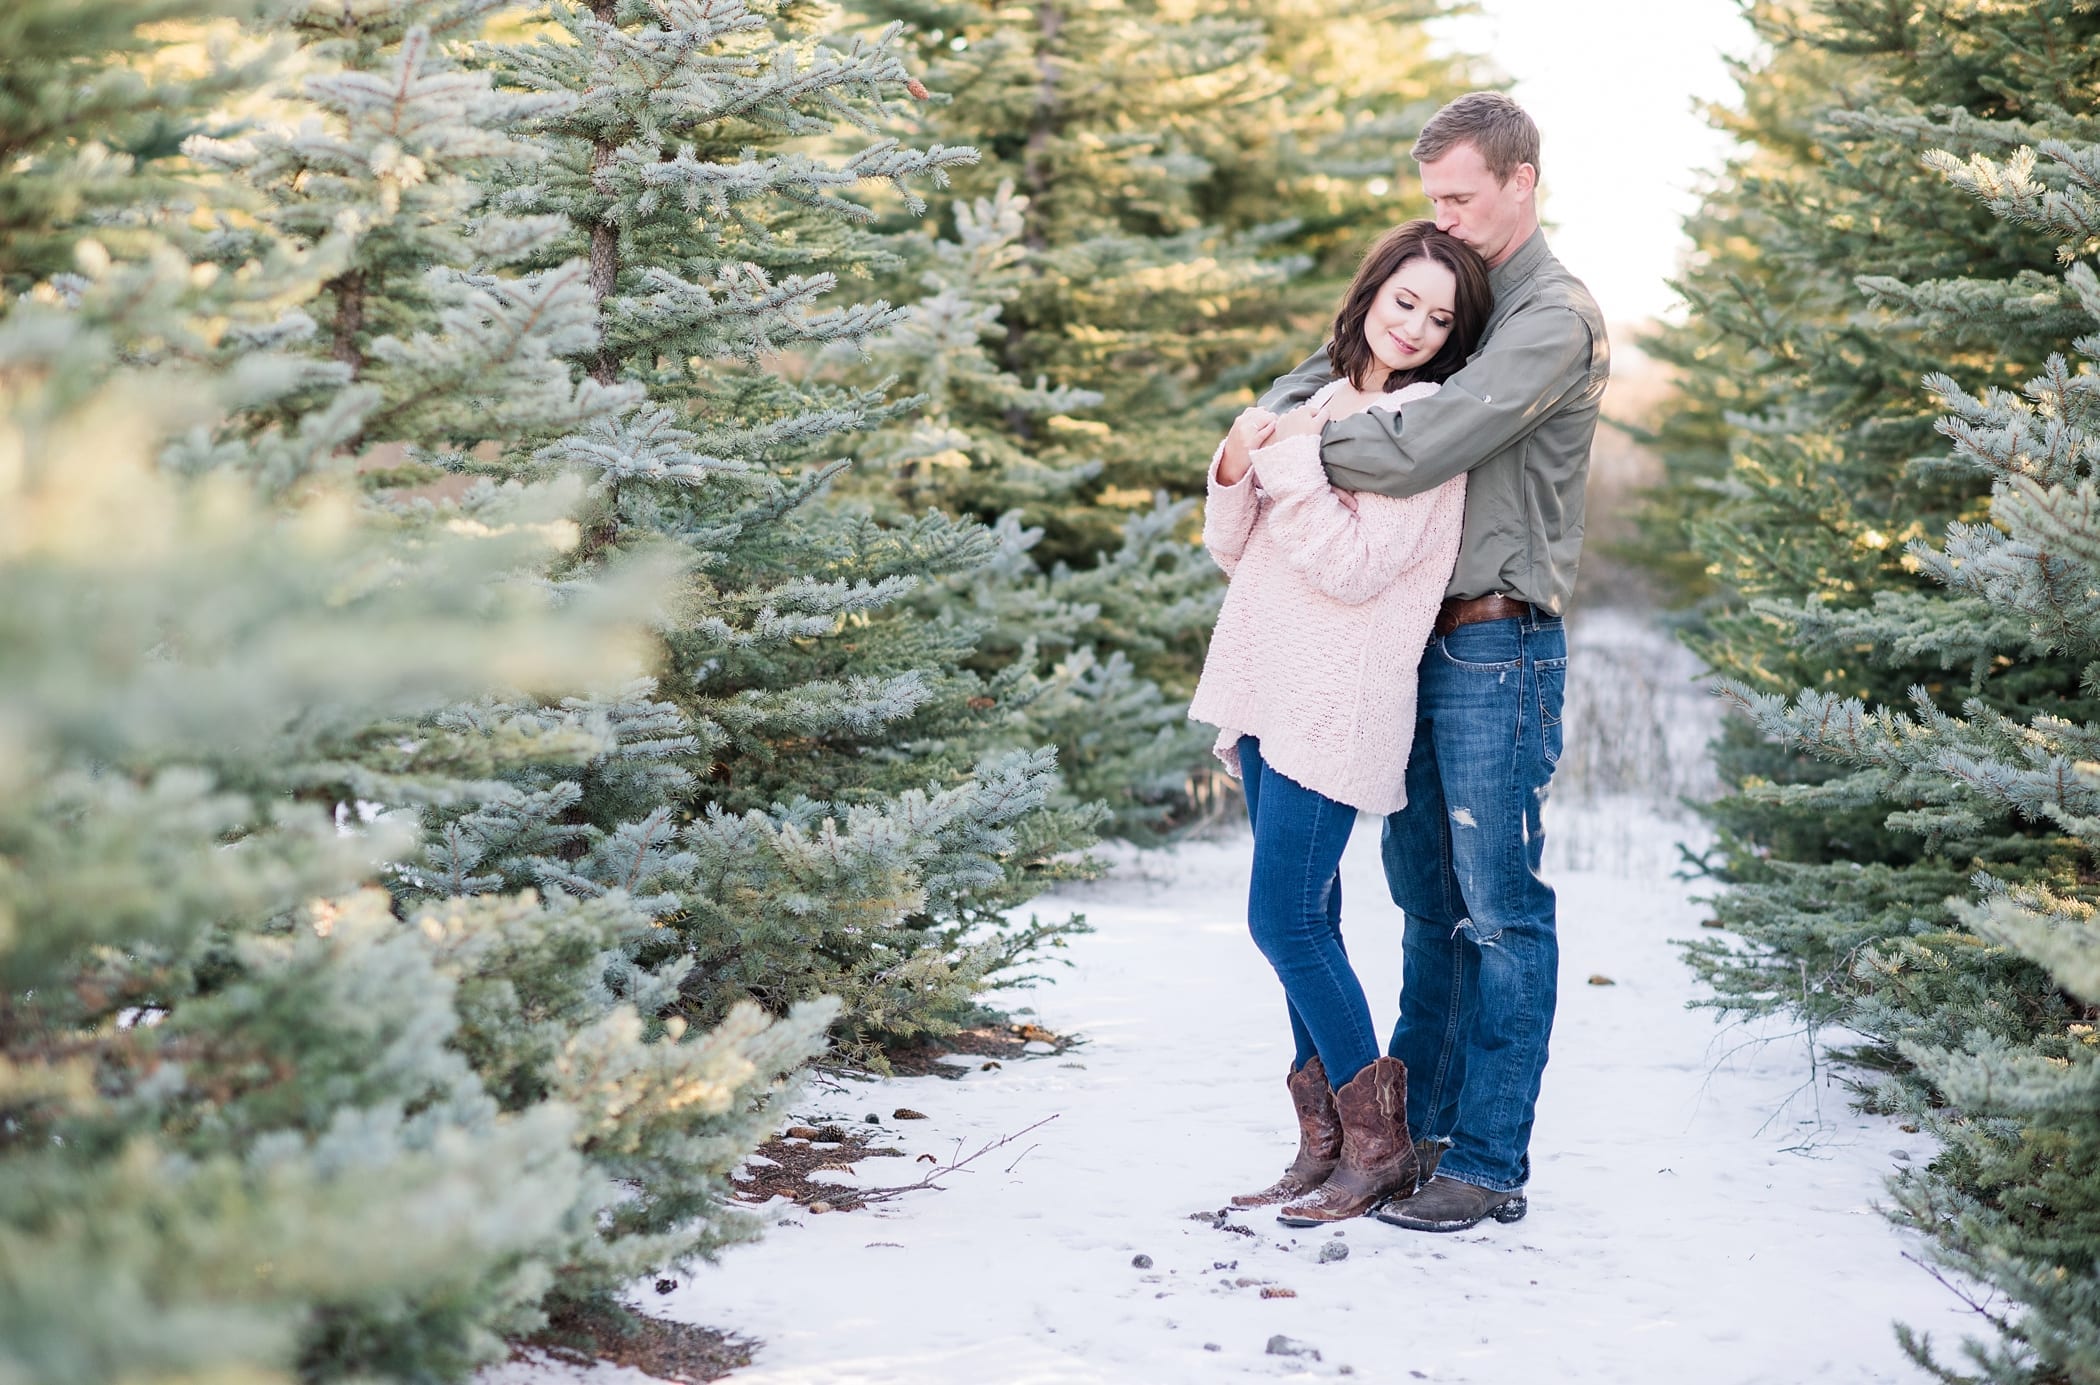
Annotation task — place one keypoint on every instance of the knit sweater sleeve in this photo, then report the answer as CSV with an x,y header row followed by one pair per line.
x,y
1229,513
1350,554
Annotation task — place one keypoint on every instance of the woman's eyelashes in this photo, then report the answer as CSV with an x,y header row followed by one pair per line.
x,y
1436,320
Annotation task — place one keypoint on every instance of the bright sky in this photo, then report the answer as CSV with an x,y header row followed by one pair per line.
x,y
1613,85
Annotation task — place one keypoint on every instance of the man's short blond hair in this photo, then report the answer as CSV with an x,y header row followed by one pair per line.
x,y
1491,123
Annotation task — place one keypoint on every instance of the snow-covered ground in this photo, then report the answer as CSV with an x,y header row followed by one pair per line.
x,y
1698,1213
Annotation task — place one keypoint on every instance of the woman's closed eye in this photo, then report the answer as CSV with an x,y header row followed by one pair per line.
x,y
1437,320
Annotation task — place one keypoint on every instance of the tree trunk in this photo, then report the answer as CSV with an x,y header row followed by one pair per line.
x,y
1042,122
605,236
1035,171
349,293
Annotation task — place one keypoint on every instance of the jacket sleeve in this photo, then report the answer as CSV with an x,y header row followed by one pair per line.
x,y
1313,374
1350,554
1229,513
1528,366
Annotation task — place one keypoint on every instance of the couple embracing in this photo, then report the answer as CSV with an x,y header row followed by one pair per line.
x,y
1400,518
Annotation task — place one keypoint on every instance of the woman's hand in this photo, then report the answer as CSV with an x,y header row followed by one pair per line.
x,y
1299,423
1252,429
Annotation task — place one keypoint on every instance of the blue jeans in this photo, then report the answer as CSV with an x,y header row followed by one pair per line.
x,y
1294,911
1462,859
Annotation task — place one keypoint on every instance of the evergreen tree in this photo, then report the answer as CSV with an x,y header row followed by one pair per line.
x,y
1325,151
425,344
235,1136
813,795
2005,1053
1834,273
433,351
94,105
1794,455
1119,288
252,1120
1120,739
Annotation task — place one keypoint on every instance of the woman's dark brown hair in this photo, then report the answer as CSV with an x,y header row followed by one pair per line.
x,y
1350,354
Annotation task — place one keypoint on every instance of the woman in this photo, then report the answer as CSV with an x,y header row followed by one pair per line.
x,y
1311,680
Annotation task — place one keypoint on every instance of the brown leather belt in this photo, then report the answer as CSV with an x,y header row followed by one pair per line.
x,y
1495,606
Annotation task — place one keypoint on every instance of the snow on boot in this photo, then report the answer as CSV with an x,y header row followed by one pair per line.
x,y
1319,1138
1378,1159
1445,1204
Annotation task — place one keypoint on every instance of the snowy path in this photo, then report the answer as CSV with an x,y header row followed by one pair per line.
x,y
1678,1233
1697,1214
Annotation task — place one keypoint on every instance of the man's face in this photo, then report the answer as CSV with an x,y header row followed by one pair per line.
x,y
1491,216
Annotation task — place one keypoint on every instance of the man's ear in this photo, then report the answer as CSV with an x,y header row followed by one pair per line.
x,y
1526,177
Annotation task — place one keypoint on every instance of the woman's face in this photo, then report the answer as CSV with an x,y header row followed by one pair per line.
x,y
1411,318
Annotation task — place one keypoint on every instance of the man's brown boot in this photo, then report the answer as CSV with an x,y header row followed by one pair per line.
x,y
1378,1159
1319,1139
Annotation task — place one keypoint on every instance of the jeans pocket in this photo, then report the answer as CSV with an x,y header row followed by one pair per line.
x,y
1488,646
1553,688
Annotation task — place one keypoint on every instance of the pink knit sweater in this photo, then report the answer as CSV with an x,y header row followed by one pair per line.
x,y
1332,598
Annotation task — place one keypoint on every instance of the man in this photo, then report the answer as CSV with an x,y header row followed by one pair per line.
x,y
1463,857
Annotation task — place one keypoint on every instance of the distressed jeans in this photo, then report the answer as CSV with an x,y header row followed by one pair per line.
x,y
1294,911
1482,962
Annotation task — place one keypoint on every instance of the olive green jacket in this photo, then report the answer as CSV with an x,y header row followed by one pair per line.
x,y
1519,416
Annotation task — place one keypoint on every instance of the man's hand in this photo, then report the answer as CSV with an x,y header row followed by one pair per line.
x,y
1252,429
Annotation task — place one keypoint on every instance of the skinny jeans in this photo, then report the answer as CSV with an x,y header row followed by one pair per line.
x,y
1294,911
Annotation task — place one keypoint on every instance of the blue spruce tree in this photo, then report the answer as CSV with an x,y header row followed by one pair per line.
x,y
813,794
1987,1001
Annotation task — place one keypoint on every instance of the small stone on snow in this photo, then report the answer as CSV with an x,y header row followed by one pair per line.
x,y
1142,1262
1280,1345
905,1113
1333,1250
1600,979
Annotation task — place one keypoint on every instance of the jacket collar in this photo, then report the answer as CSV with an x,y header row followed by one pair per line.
x,y
1531,257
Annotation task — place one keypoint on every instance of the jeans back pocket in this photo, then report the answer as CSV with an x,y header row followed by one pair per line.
x,y
1553,691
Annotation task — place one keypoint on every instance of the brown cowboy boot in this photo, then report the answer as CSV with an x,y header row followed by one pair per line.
x,y
1319,1139
1378,1159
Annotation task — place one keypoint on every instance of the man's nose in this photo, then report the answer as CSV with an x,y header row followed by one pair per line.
x,y
1445,220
